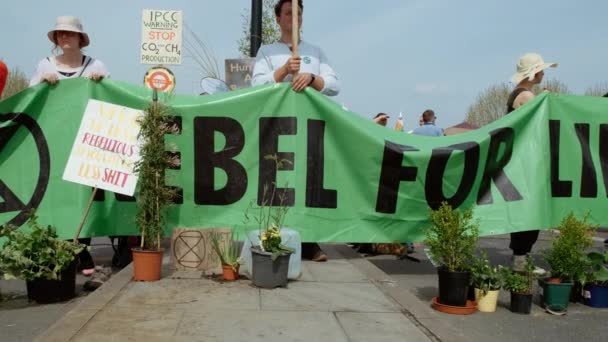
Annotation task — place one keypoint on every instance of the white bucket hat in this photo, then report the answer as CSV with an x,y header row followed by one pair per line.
x,y
71,24
528,66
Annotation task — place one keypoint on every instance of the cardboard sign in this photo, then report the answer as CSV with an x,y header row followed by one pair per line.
x,y
160,78
161,37
191,249
106,148
239,72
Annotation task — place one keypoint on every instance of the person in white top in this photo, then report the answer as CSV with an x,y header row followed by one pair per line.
x,y
69,37
274,62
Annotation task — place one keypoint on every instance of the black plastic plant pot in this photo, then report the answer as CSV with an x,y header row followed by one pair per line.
x,y
521,303
453,287
267,273
52,291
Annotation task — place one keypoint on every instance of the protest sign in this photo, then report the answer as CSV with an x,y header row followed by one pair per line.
x,y
106,148
239,72
161,37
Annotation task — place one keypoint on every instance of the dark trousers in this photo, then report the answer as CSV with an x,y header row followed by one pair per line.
x,y
522,242
85,258
310,249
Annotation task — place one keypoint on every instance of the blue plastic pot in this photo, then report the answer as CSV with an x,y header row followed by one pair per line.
x,y
596,296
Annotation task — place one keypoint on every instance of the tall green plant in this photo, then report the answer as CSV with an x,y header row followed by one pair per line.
x,y
153,197
452,237
566,257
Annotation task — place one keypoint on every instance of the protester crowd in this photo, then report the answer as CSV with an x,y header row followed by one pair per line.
x,y
274,63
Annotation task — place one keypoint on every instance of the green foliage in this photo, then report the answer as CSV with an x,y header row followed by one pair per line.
x,y
596,271
567,254
270,217
153,197
227,249
271,33
16,82
517,282
452,237
37,254
485,276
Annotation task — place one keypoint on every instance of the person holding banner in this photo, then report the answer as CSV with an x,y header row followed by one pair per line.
x,y
278,62
296,61
530,72
3,76
69,37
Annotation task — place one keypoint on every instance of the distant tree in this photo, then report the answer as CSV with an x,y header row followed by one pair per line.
x,y
16,82
597,90
491,104
271,32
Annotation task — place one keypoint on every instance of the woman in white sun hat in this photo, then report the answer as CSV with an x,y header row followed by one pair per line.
x,y
530,71
69,37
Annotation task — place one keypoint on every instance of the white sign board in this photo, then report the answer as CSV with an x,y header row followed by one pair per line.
x,y
106,148
161,37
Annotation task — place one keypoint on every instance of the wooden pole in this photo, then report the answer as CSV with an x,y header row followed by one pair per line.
x,y
295,32
86,213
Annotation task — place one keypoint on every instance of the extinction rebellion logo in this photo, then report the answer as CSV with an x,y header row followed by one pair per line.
x,y
10,199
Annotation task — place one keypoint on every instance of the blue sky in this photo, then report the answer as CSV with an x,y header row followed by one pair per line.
x,y
391,55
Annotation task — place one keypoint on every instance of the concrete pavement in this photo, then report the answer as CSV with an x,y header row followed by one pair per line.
x,y
332,301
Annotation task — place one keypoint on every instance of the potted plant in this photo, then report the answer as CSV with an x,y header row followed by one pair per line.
x,y
520,284
227,250
451,239
566,258
595,280
486,280
46,263
153,196
270,258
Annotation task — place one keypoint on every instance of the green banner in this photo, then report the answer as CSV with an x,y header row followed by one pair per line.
x,y
350,181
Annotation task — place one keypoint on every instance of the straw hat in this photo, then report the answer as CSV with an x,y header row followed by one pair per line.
x,y
71,24
528,66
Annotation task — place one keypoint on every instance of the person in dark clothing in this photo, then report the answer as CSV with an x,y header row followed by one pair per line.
x,y
530,72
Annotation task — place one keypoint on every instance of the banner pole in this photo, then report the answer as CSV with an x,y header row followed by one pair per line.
x,y
295,30
86,213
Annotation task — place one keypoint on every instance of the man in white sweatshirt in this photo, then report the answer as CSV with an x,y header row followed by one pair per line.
x,y
275,63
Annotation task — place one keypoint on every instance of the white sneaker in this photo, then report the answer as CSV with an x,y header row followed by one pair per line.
x,y
519,265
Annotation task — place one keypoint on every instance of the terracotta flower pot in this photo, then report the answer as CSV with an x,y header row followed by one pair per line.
x,y
147,264
230,273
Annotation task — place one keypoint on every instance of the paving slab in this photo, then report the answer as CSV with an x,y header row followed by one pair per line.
x,y
308,296
262,326
379,327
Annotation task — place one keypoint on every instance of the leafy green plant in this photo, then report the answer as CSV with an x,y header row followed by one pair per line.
x,y
269,217
153,197
566,257
37,254
484,276
452,237
227,249
519,282
596,271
